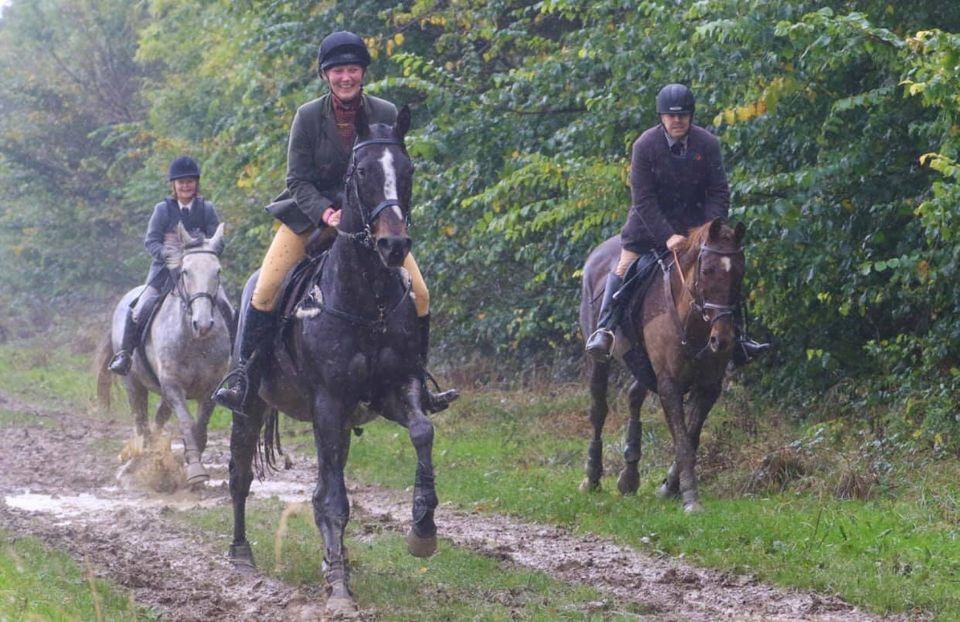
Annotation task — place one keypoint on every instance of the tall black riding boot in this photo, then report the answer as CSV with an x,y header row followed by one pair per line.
x,y
257,328
601,341
745,349
433,402
120,364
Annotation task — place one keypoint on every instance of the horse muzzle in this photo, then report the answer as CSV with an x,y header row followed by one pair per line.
x,y
393,249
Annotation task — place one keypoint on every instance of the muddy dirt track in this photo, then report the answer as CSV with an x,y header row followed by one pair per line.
x,y
58,485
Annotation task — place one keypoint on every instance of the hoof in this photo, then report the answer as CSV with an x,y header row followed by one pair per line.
x,y
588,485
628,482
692,507
241,556
665,492
196,474
421,547
341,608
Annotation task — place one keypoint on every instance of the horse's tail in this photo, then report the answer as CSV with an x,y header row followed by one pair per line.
x,y
105,377
271,441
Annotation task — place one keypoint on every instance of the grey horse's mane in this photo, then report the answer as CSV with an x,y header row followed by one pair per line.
x,y
177,242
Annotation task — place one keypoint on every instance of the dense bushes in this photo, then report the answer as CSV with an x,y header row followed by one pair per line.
x,y
838,119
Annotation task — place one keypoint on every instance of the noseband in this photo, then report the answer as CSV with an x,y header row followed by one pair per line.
x,y
188,300
365,235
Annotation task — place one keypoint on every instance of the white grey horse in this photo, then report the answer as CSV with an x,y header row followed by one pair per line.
x,y
187,347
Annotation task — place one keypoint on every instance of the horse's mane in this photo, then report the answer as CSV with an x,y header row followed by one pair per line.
x,y
174,247
697,237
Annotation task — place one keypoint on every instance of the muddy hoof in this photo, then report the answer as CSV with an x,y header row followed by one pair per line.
x,y
196,473
628,482
587,485
341,608
241,556
421,547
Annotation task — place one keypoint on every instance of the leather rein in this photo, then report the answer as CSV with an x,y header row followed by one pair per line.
x,y
364,237
710,312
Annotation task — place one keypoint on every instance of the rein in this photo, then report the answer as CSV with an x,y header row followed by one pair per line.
x,y
188,300
696,293
365,235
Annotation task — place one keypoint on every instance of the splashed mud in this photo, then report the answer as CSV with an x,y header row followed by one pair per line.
x,y
119,523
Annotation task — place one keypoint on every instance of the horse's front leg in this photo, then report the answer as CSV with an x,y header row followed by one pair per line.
x,y
701,401
629,479
671,397
331,508
244,436
176,397
599,383
404,407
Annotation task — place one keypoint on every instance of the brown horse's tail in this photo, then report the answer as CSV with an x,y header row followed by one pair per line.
x,y
105,377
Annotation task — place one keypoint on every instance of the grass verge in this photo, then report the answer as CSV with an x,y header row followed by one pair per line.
x,y
37,584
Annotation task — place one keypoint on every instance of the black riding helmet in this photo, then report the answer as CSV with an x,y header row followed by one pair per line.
x,y
342,48
184,166
675,99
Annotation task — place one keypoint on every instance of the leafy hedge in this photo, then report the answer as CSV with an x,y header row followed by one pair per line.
x,y
838,121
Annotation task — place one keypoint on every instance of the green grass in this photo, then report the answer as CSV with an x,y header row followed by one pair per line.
x,y
55,377
454,584
522,454
39,585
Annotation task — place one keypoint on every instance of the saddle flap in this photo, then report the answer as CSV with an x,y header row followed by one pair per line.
x,y
298,283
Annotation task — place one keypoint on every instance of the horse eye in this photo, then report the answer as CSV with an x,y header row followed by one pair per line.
x,y
361,172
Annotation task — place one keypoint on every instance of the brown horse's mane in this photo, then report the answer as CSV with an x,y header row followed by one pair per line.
x,y
697,237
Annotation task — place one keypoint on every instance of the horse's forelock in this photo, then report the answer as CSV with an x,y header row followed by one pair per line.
x,y
173,251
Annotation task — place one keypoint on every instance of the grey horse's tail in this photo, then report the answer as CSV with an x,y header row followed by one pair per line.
x,y
271,442
105,377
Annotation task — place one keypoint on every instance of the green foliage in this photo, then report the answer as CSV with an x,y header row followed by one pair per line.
x,y
839,124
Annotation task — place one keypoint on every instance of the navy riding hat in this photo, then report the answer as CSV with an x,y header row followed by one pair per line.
x,y
183,166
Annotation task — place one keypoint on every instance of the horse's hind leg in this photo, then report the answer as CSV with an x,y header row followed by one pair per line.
x,y
137,397
702,400
162,415
599,383
629,479
204,410
244,436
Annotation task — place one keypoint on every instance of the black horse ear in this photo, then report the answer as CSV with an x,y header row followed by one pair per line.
x,y
403,121
715,228
739,232
362,124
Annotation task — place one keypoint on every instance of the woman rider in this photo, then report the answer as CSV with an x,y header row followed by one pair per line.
x,y
185,205
318,152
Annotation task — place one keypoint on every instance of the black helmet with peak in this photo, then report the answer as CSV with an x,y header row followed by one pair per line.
x,y
183,166
675,99
342,48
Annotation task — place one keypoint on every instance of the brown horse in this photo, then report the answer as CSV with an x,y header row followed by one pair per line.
x,y
685,321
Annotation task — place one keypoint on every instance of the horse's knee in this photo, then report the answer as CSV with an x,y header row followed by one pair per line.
x,y
421,431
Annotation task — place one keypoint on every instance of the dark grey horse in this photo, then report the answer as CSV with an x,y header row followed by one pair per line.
x,y
185,352
352,341
685,321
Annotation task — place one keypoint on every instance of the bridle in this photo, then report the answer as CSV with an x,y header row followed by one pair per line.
x,y
365,235
710,312
186,299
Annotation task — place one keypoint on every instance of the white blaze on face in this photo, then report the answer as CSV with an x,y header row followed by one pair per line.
x,y
390,181
726,264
